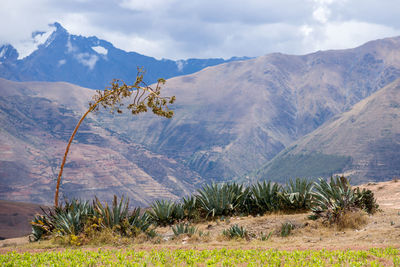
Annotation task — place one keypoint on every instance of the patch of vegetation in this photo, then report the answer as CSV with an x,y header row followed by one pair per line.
x,y
78,222
163,212
265,237
286,229
184,228
335,199
235,231
217,257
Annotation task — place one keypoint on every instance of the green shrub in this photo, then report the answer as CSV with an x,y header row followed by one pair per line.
x,y
220,200
331,200
184,228
265,237
190,207
297,195
113,217
286,229
139,222
67,219
162,212
365,200
235,232
265,197
40,227
71,219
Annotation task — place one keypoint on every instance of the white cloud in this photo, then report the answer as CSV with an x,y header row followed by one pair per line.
x,y
87,59
26,46
61,62
100,50
321,14
180,65
341,35
179,29
147,5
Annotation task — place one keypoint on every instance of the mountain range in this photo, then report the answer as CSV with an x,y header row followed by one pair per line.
x,y
362,143
272,117
233,118
90,62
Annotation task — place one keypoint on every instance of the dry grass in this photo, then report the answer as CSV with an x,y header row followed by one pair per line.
x,y
352,220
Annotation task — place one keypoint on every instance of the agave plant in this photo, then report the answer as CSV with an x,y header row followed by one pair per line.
x,y
66,219
219,200
242,200
331,200
265,197
184,228
72,218
179,212
235,232
286,229
297,194
189,206
113,216
138,221
40,227
163,212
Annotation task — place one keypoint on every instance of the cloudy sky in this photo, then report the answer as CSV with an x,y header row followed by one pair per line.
x,y
179,29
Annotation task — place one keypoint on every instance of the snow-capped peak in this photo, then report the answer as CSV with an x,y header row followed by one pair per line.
x,y
28,46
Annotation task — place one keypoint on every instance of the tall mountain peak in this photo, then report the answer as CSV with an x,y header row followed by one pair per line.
x,y
8,53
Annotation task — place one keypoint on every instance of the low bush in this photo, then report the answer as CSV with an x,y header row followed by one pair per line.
x,y
114,217
163,212
297,195
235,231
67,219
365,200
331,200
184,228
286,229
218,200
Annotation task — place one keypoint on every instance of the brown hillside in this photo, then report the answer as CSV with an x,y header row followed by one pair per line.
x,y
15,218
368,135
36,120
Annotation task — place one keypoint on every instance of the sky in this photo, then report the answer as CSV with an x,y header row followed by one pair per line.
x,y
181,29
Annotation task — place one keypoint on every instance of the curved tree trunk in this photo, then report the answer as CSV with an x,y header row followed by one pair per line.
x,y
65,156
92,107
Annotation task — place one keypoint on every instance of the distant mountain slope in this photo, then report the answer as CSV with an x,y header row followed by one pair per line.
x,y
233,118
363,143
15,218
90,62
36,120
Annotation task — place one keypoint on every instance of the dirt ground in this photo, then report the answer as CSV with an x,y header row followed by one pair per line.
x,y
381,230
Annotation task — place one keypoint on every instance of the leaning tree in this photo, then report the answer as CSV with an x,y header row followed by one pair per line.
x,y
140,98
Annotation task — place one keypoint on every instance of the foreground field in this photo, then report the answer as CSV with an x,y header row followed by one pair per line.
x,y
219,257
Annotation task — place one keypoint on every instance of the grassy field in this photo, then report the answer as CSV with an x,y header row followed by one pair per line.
x,y
217,257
